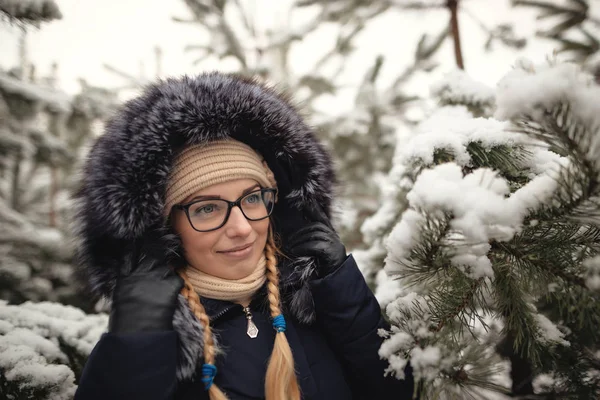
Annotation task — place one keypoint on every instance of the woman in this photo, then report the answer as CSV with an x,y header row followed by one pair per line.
x,y
204,216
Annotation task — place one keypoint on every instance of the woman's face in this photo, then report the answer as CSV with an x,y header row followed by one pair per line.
x,y
214,252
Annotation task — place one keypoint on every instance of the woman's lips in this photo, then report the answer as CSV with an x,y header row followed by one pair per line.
x,y
240,252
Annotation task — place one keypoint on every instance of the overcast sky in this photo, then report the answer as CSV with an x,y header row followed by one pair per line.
x,y
123,33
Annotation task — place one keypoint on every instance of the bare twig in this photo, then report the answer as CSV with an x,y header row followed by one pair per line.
x,y
453,7
417,4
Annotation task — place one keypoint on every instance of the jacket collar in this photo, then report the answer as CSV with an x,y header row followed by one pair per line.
x,y
215,309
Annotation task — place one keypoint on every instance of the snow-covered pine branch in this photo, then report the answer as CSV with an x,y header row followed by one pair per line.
x,y
501,230
30,11
43,347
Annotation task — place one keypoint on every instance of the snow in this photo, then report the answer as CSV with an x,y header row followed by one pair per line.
x,y
56,150
13,269
49,241
542,160
427,362
401,306
344,216
5,327
53,320
22,364
543,381
531,90
481,212
398,342
351,124
539,190
481,204
56,310
33,341
452,128
56,100
39,287
548,332
397,366
475,199
61,272
403,238
457,87
386,289
412,310
41,345
391,204
592,277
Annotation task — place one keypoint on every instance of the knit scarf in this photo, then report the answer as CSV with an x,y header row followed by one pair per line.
x,y
211,287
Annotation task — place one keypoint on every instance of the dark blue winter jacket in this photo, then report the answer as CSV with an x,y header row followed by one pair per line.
x,y
336,358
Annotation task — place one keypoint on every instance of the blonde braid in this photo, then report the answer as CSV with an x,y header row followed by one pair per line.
x,y
280,382
209,345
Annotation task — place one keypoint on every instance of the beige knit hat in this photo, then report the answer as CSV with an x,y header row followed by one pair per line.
x,y
203,165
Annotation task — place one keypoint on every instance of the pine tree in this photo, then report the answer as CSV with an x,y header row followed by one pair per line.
x,y
28,12
498,239
388,201
43,132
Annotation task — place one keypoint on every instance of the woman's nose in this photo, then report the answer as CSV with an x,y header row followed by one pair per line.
x,y
238,225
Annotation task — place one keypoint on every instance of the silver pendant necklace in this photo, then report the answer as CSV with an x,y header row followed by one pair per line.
x,y
252,330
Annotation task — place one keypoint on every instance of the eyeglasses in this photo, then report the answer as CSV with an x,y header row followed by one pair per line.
x,y
211,214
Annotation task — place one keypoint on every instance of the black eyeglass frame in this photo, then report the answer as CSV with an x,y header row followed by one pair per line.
x,y
230,205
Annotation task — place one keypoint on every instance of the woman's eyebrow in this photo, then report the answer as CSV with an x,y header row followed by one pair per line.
x,y
250,189
216,196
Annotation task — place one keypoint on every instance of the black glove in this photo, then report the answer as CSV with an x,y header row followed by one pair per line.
x,y
318,239
145,294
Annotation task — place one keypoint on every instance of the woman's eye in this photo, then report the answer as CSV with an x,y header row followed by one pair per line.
x,y
204,210
253,198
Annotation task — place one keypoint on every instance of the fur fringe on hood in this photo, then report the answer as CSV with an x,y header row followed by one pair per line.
x,y
122,192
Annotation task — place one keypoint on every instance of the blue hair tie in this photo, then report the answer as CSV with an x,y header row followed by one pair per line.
x,y
208,374
279,323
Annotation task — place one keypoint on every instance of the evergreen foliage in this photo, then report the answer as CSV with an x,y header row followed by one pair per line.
x,y
29,12
497,249
44,132
43,348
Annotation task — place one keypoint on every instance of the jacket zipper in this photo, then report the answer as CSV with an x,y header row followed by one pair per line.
x,y
225,311
252,330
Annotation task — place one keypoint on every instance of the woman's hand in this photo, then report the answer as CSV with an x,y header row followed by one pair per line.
x,y
318,239
145,296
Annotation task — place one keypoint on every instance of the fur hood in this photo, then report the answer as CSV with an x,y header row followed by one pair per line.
x,y
122,192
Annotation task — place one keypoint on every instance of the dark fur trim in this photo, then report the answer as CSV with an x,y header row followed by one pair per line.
x,y
122,192
295,285
191,340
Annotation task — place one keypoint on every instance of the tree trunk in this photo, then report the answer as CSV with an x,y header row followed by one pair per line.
x,y
16,180
53,192
453,7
